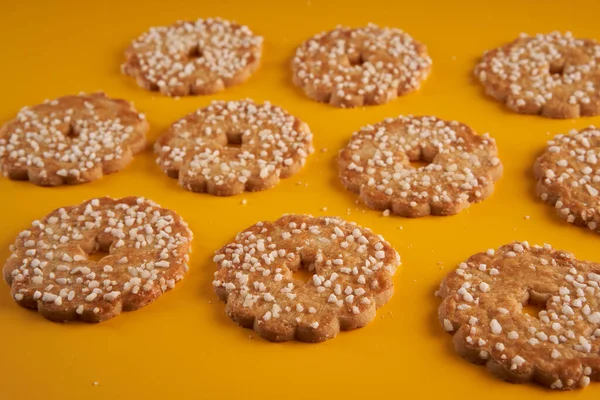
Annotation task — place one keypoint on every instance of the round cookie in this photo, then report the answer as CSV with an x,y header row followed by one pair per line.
x,y
352,276
348,67
50,269
231,147
568,175
555,75
71,140
483,308
193,57
462,166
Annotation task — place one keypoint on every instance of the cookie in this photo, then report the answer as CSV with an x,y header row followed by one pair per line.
x,y
568,175
50,269
231,147
351,67
555,75
70,140
352,277
483,308
462,166
193,57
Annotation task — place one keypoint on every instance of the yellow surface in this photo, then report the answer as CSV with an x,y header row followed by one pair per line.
x,y
184,346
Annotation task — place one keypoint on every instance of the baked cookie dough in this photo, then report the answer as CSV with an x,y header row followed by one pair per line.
x,y
352,277
568,175
555,75
49,269
72,139
482,308
462,166
351,67
193,57
235,146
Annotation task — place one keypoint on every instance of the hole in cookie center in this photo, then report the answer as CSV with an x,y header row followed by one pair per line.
x,y
557,69
419,164
97,255
71,132
535,304
533,309
356,59
303,274
234,139
195,52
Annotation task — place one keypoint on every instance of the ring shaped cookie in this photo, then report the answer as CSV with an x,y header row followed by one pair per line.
x,y
568,175
50,269
483,309
196,57
352,268
231,147
557,76
70,140
462,166
349,67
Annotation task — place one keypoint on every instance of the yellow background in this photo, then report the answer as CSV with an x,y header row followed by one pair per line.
x,y
184,346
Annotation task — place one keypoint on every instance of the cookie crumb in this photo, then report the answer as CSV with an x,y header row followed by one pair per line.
x,y
386,213
244,202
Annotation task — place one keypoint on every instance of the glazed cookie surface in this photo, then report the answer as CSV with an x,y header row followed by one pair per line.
x,y
348,67
50,270
71,140
352,276
568,175
555,75
231,147
461,166
193,57
483,308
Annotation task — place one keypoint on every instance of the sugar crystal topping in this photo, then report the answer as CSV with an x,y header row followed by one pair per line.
x,y
553,74
70,138
569,176
147,248
461,169
352,67
486,311
351,273
194,57
229,147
